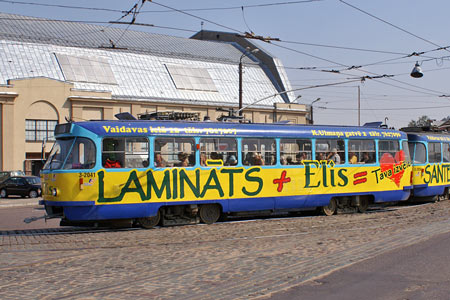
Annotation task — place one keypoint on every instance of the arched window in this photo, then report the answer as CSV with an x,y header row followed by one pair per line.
x,y
40,122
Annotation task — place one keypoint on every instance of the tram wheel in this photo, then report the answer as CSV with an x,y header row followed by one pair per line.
x,y
445,196
209,213
149,222
363,205
330,209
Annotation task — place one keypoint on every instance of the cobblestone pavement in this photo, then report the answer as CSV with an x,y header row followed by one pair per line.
x,y
18,202
230,260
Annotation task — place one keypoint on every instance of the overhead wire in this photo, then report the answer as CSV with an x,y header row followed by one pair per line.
x,y
323,69
301,52
336,63
343,48
197,17
437,93
135,11
97,22
62,6
393,25
390,108
318,45
237,7
233,7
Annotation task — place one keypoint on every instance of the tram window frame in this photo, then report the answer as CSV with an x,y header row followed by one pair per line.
x,y
411,147
331,144
121,152
258,155
446,152
419,153
359,148
405,148
294,151
82,155
382,149
176,154
212,149
434,152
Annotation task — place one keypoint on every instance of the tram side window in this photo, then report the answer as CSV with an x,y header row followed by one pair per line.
x,y
259,152
294,152
387,148
331,150
113,154
223,150
418,152
446,152
361,151
434,152
82,155
174,152
136,152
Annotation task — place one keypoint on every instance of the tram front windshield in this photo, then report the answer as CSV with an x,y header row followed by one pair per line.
x,y
72,153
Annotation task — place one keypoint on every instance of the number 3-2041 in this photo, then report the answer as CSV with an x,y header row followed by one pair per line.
x,y
89,174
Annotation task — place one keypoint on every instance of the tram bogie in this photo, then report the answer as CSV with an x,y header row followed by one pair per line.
x,y
348,204
179,215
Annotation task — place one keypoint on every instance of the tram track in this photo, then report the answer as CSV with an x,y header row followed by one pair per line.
x,y
311,246
320,224
282,277
77,230
96,244
188,235
197,242
152,245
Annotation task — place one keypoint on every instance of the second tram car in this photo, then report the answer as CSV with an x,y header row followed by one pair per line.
x,y
430,153
178,172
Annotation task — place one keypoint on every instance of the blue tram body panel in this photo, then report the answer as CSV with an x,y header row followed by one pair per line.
x,y
89,211
161,128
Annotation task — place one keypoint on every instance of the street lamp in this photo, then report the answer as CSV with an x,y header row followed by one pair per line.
x,y
417,71
296,99
312,119
246,53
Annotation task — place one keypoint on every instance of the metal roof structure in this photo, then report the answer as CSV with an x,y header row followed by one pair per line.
x,y
139,65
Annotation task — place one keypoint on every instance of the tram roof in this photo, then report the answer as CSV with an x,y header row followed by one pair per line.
x,y
429,136
226,129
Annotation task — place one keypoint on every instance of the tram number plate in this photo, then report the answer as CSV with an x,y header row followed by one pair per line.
x,y
87,174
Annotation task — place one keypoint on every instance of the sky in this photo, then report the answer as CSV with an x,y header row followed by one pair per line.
x,y
319,43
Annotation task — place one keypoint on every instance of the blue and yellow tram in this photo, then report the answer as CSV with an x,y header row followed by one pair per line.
x,y
430,153
177,171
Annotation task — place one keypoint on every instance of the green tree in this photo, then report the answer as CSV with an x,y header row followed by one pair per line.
x,y
421,122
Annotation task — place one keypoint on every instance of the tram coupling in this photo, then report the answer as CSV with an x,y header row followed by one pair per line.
x,y
46,217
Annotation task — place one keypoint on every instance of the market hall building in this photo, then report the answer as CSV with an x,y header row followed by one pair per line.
x,y
53,71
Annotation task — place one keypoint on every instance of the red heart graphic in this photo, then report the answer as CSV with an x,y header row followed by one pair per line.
x,y
387,162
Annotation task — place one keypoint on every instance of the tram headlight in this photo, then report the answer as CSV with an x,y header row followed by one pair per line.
x,y
54,192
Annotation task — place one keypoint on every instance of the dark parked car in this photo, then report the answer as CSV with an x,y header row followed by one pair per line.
x,y
6,174
22,186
